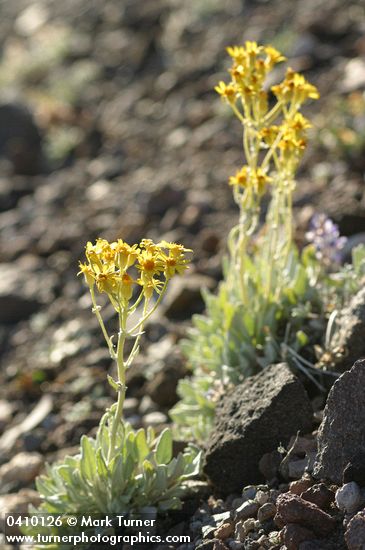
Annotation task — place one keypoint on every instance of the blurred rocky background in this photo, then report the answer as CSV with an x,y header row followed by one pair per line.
x,y
109,126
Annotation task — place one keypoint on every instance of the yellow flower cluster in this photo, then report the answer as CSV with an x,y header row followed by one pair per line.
x,y
248,177
108,267
281,131
251,63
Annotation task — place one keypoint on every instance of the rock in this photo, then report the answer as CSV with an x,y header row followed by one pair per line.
x,y
341,435
224,531
239,531
294,534
355,469
162,387
20,140
269,464
266,512
154,419
355,532
320,495
301,485
184,297
249,492
164,198
247,510
262,497
354,75
235,545
258,415
22,468
348,497
6,411
219,545
349,343
17,503
293,509
24,286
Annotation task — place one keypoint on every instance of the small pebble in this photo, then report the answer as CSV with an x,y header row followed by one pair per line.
x,y
247,510
154,419
348,497
249,492
249,525
266,512
240,531
261,497
224,531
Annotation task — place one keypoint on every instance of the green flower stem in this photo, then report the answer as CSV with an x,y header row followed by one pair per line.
x,y
96,311
121,383
152,310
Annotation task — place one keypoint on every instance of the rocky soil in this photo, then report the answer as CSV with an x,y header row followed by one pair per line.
x,y
109,126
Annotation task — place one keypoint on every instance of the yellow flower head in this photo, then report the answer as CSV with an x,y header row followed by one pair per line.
x,y
150,263
269,134
175,261
247,177
295,88
228,92
126,287
241,178
87,272
273,56
125,255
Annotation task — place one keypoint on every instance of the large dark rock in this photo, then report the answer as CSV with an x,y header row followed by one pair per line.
x,y
294,509
341,436
349,343
355,533
25,285
20,139
259,415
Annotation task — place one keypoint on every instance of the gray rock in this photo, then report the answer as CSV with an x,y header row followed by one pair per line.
x,y
20,140
184,297
261,413
22,468
266,512
17,503
355,533
341,435
349,343
24,286
247,510
348,497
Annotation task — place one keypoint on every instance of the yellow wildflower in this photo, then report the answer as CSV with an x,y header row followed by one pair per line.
x,y
238,53
85,269
126,287
241,177
273,56
149,264
269,134
227,91
249,177
125,255
294,88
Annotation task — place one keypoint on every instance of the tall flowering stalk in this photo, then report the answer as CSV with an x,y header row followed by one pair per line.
x,y
273,142
265,298
120,470
130,276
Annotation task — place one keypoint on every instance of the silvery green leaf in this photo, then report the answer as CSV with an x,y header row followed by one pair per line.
x,y
141,445
164,447
101,467
88,459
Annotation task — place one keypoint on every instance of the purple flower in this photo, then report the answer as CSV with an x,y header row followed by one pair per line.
x,y
325,237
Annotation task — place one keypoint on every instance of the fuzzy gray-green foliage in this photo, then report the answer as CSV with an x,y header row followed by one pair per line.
x,y
232,340
143,473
